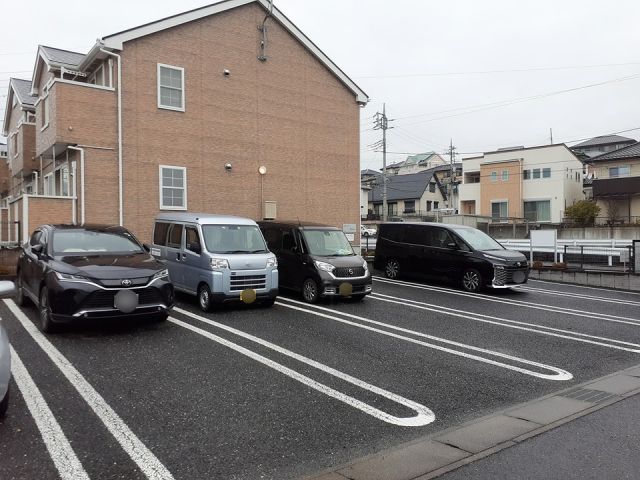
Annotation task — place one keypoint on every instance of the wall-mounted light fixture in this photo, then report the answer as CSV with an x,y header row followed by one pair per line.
x,y
228,167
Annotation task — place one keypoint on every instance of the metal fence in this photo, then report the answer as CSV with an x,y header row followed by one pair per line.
x,y
612,259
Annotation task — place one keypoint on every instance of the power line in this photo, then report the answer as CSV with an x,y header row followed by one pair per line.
x,y
513,70
506,103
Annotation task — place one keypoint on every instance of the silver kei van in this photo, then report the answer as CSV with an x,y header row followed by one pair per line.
x,y
219,258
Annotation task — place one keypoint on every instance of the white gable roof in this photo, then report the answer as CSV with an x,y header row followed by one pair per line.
x,y
117,40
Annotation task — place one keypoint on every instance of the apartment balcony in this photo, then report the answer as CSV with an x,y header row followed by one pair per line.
x,y
24,160
79,114
469,191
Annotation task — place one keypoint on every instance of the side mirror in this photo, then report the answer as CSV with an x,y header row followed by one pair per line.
x,y
453,246
195,248
37,249
146,247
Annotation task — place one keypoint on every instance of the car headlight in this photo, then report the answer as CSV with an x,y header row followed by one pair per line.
x,y
491,257
365,265
70,277
219,263
272,262
161,274
327,267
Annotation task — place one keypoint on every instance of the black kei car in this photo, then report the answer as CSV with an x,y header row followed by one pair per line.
x,y
92,271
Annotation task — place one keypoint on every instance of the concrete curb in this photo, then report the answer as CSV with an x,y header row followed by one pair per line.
x,y
444,451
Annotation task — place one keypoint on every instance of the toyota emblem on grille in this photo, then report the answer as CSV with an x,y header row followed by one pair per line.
x,y
351,271
126,282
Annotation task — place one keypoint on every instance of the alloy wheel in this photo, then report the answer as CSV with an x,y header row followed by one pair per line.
x,y
392,268
471,281
310,291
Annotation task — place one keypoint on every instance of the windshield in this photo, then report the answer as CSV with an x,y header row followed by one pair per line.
x,y
233,239
92,242
478,239
327,243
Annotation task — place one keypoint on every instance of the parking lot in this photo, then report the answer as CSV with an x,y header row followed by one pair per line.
x,y
283,392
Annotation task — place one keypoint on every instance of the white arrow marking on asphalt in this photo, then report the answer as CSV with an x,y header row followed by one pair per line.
x,y
63,456
423,416
559,374
139,453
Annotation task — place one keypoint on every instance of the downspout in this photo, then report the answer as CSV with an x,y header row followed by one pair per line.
x,y
81,150
120,182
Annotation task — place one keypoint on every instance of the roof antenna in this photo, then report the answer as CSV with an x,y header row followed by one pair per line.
x,y
263,28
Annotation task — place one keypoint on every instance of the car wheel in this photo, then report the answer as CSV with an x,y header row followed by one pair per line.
x,y
204,298
46,324
472,280
310,292
392,269
4,404
21,298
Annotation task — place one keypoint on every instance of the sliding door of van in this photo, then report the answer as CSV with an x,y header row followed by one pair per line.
x,y
191,258
174,254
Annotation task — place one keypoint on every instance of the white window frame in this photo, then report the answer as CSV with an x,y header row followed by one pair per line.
x,y
169,107
501,219
505,175
184,187
13,145
48,181
93,79
45,112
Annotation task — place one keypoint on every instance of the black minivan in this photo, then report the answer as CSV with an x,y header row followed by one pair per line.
x,y
316,260
455,252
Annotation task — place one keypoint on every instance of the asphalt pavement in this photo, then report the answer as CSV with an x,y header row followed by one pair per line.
x,y
600,446
293,390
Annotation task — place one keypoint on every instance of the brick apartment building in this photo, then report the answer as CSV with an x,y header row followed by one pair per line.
x,y
181,114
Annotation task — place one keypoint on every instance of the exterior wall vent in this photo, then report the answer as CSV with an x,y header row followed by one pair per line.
x,y
269,210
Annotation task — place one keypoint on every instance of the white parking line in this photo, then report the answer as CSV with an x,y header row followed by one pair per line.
x,y
139,453
63,456
423,416
582,296
559,374
573,285
511,301
503,322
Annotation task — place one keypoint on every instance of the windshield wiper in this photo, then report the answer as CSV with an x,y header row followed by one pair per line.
x,y
262,250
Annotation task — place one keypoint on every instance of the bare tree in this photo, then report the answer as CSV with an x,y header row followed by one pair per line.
x,y
613,210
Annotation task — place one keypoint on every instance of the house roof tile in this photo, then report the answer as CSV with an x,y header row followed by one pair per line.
x,y
604,140
630,151
403,187
62,57
22,88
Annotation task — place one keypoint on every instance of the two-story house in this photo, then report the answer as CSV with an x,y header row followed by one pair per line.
x,y
616,185
536,183
415,195
227,108
602,144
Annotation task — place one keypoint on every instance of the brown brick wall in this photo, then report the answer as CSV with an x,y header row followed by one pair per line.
x,y
101,186
289,114
79,115
48,210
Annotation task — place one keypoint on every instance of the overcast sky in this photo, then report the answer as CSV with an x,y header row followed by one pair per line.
x,y
444,69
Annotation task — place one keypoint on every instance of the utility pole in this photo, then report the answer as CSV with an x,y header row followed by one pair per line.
x,y
451,153
382,123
